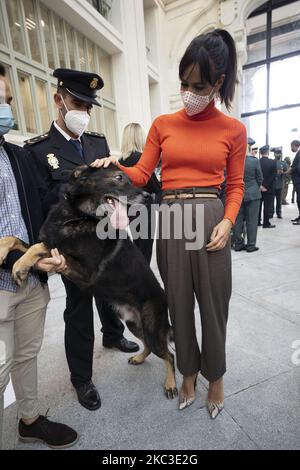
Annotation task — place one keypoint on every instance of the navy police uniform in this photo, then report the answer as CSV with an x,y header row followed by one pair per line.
x,y
56,157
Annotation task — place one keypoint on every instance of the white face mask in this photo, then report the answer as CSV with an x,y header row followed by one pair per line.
x,y
195,104
76,121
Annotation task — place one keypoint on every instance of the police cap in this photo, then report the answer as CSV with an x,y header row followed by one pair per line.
x,y
82,85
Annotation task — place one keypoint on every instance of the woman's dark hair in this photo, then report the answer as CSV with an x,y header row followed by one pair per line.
x,y
215,54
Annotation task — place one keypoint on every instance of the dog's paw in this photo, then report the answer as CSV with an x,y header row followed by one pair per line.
x,y
19,272
3,254
136,360
170,392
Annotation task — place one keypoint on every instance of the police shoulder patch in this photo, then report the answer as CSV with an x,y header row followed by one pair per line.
x,y
95,134
37,139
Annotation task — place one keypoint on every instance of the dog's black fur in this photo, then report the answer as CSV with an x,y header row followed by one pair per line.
x,y
114,269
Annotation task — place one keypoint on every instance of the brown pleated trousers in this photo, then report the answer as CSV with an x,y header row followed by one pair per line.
x,y
206,275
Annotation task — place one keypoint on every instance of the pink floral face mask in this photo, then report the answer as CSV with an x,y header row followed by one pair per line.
x,y
195,104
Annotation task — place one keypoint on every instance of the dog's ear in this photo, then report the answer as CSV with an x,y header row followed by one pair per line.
x,y
78,171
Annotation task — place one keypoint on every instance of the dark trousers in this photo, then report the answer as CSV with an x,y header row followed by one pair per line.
x,y
79,330
190,273
267,202
297,190
278,200
248,212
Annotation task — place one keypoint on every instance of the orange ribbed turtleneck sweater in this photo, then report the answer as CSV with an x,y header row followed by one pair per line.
x,y
195,151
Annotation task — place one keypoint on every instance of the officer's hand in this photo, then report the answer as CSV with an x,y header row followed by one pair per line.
x,y
56,263
263,189
105,162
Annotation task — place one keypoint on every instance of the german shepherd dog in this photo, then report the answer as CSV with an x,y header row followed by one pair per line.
x,y
114,269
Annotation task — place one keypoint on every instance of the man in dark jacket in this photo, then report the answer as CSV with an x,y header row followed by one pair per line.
x,y
269,170
23,309
282,168
295,172
56,154
249,209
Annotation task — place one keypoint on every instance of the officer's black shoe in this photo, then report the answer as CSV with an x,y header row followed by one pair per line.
x,y
269,226
88,396
250,249
122,344
55,435
297,222
279,216
239,248
296,219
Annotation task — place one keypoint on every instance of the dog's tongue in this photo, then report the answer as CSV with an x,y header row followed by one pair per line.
x,y
119,218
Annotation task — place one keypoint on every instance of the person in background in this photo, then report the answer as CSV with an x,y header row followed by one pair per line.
x,y
295,172
286,182
282,168
254,152
133,142
23,309
269,170
249,210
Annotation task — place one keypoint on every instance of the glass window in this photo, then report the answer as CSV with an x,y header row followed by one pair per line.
x,y
284,82
256,128
46,21
71,46
91,58
16,25
2,37
256,37
27,103
82,55
54,108
32,30
110,126
43,104
59,40
282,128
254,89
99,114
106,74
285,29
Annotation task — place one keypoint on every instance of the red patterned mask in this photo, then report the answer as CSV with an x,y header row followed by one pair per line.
x,y
195,104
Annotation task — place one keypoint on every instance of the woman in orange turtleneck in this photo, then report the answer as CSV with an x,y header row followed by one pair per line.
x,y
196,145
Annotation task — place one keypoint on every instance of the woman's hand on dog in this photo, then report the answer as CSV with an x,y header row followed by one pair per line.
x,y
105,162
56,263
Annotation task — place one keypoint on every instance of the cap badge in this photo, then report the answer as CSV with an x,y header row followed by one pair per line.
x,y
52,160
94,83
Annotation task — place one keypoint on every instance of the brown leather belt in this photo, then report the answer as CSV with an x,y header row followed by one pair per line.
x,y
189,196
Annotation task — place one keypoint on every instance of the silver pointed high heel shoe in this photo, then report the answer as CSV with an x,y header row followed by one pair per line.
x,y
214,409
184,402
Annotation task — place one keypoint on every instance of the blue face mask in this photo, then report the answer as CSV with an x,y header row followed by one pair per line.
x,y
7,121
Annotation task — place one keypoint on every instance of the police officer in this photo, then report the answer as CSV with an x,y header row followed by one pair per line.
x,y
282,168
295,171
56,154
269,169
249,209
